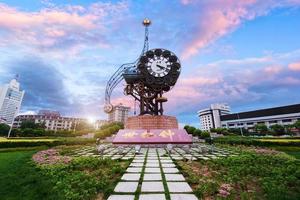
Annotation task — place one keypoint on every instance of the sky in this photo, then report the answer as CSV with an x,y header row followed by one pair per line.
x,y
243,53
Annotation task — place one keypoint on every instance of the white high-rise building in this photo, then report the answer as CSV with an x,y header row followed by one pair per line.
x,y
10,101
210,117
119,114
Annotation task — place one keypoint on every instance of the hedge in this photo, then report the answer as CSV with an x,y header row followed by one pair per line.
x,y
11,143
257,141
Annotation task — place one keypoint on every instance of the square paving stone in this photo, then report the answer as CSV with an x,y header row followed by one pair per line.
x,y
131,177
126,187
153,186
179,187
183,197
152,161
138,161
152,197
170,170
166,161
152,177
121,197
168,165
136,164
174,177
134,169
152,170
152,165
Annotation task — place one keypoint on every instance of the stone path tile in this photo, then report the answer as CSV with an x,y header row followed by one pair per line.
x,y
131,177
152,165
121,197
126,187
152,170
152,161
170,170
152,177
174,177
168,165
183,197
179,187
153,186
134,169
152,197
166,161
136,165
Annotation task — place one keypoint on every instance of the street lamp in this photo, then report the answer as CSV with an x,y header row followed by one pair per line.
x,y
239,122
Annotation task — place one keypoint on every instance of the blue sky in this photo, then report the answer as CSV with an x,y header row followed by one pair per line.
x,y
244,53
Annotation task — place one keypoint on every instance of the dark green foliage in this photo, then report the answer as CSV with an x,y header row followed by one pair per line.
x,y
12,142
4,128
277,129
261,128
108,129
29,124
82,179
205,134
197,132
191,129
250,175
235,140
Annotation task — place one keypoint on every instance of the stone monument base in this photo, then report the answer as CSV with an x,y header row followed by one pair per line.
x,y
148,129
151,122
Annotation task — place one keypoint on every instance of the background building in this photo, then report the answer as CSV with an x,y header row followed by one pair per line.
x,y
119,114
10,101
284,115
52,120
210,117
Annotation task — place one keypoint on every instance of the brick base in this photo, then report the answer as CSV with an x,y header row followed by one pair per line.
x,y
151,122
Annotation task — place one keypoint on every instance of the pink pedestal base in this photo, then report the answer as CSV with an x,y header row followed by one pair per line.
x,y
153,136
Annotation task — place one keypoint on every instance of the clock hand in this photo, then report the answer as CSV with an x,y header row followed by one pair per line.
x,y
161,67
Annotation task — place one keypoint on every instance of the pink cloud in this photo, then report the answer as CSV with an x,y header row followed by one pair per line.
x,y
271,70
55,26
218,18
294,66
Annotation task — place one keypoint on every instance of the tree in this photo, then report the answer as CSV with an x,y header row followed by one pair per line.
x,y
4,128
297,125
197,132
261,128
277,129
31,124
191,130
205,134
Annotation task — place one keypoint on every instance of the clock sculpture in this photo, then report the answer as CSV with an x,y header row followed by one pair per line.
x,y
147,79
154,73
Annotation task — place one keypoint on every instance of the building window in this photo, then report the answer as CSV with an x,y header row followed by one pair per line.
x,y
260,122
250,123
273,122
286,120
230,124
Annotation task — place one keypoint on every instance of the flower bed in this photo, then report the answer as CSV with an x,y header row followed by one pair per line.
x,y
50,156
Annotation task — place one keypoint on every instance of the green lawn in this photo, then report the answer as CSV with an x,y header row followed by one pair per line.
x,y
83,178
250,175
19,179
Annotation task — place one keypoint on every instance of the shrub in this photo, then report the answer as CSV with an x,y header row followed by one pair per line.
x,y
205,134
4,128
197,132
191,129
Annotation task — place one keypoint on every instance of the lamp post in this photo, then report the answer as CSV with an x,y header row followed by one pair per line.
x,y
239,122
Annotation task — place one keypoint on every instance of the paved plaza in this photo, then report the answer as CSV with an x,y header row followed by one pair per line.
x,y
152,174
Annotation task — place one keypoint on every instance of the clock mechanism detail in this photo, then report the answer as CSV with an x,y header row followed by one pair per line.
x,y
154,73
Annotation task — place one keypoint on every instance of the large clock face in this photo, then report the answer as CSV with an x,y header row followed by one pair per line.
x,y
158,66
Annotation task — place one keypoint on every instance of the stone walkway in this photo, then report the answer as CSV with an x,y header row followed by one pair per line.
x,y
152,176
197,152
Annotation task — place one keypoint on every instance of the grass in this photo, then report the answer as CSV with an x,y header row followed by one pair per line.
x,y
30,142
19,179
83,178
249,175
292,151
